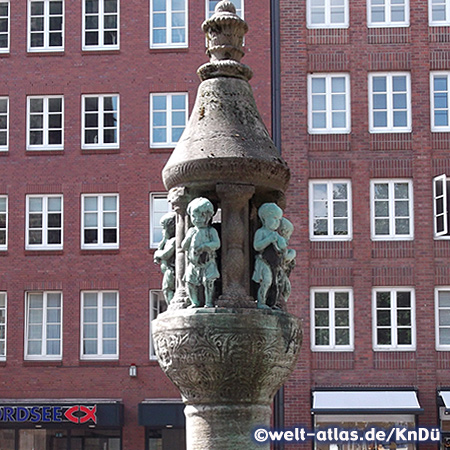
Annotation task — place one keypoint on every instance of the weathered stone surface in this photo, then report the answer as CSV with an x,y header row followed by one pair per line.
x,y
226,141
225,360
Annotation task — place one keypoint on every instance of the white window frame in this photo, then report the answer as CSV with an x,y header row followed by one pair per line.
x,y
168,13
101,122
154,224
442,211
4,325
4,148
394,346
390,128
439,23
100,322
329,129
157,306
434,127
327,23
4,246
46,31
100,245
209,12
330,208
332,318
46,125
169,143
388,23
45,226
391,205
101,28
8,20
437,309
44,324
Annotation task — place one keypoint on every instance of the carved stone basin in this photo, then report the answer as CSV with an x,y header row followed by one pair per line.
x,y
227,364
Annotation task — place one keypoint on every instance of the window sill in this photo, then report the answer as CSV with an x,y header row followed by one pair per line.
x,y
97,251
394,349
99,361
42,252
44,152
332,350
100,51
46,52
42,362
100,151
388,25
169,49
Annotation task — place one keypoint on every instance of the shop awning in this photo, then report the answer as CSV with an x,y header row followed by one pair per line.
x,y
161,414
366,402
445,395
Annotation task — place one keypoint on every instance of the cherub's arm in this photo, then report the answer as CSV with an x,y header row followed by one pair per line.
x,y
263,240
168,251
187,240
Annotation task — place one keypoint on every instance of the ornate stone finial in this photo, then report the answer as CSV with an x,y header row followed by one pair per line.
x,y
225,36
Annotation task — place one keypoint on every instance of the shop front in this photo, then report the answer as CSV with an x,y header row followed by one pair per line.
x,y
49,425
363,411
164,422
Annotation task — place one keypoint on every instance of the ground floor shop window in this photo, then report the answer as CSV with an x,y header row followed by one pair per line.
x,y
363,423
166,439
60,439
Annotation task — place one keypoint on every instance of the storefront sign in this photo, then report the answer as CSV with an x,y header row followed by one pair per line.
x,y
49,414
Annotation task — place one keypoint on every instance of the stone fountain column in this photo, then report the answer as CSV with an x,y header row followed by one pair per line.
x,y
229,360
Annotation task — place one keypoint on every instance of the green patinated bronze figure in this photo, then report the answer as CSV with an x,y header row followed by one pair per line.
x,y
165,255
201,243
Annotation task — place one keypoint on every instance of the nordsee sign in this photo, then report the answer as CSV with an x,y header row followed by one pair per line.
x,y
79,414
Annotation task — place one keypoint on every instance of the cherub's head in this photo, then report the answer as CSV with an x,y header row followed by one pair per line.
x,y
286,228
270,215
168,223
200,211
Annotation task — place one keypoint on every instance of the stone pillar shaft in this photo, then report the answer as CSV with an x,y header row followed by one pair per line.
x,y
234,200
225,427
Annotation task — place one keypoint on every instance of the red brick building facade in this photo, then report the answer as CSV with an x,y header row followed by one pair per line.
x,y
93,96
365,130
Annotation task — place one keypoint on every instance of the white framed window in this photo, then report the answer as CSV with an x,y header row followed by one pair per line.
x,y
168,118
168,23
331,319
100,221
441,186
45,25
328,103
101,24
100,121
45,121
4,124
438,13
3,222
100,325
327,13
43,333
389,102
4,26
391,210
439,96
157,306
393,316
159,205
211,5
442,317
44,229
330,216
388,13
3,318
